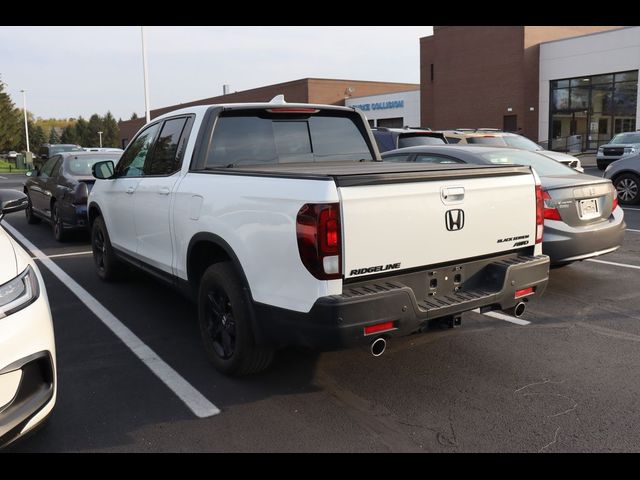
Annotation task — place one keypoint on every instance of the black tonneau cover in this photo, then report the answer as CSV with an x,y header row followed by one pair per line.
x,y
372,172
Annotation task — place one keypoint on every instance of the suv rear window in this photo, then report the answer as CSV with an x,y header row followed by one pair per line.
x,y
246,139
65,148
487,140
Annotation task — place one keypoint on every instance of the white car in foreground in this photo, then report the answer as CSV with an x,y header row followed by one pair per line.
x,y
27,349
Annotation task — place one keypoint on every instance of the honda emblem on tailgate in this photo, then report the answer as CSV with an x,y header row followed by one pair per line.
x,y
454,219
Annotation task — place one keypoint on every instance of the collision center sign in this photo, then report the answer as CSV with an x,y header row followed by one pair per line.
x,y
367,107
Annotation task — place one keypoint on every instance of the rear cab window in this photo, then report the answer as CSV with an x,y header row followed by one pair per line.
x,y
258,137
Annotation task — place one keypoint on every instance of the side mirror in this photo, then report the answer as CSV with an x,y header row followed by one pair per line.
x,y
12,201
103,170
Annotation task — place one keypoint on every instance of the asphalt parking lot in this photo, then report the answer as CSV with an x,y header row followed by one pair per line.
x,y
567,381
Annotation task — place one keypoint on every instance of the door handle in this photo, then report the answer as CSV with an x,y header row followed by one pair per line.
x,y
130,190
164,191
452,194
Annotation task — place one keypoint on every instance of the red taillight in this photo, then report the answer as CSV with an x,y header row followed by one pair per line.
x,y
550,212
379,327
292,110
319,239
539,214
524,292
615,202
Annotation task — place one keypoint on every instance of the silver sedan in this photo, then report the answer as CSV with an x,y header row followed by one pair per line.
x,y
581,214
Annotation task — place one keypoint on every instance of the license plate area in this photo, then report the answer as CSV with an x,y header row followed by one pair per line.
x,y
588,208
445,281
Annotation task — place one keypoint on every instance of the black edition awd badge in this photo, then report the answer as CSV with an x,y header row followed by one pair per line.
x,y
454,219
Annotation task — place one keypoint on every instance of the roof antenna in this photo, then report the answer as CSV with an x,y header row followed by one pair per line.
x,y
278,99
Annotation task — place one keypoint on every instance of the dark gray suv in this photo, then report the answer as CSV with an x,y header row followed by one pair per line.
x,y
627,143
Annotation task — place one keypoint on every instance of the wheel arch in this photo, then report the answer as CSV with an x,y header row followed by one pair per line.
x,y
93,212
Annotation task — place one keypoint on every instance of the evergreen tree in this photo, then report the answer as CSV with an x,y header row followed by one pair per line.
x,y
69,135
81,129
36,137
134,115
53,136
10,122
111,135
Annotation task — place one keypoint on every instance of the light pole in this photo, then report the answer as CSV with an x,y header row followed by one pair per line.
x,y
26,127
100,133
146,81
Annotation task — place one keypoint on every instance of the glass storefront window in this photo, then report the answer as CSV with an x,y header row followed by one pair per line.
x,y
592,107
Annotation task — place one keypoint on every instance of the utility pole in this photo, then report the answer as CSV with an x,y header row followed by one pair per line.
x,y
146,81
26,126
100,133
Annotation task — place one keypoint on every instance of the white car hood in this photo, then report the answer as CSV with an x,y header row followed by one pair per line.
x,y
8,263
558,156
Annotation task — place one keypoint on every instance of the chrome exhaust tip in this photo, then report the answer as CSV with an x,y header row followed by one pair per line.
x,y
519,309
378,346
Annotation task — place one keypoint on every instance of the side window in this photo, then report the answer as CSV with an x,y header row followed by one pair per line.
x,y
453,139
168,149
428,158
397,158
132,162
48,167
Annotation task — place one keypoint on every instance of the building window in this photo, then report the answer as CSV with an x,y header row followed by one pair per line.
x,y
391,122
432,72
592,109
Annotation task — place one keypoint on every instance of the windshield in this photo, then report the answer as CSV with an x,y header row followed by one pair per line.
x,y
65,148
81,165
417,140
487,140
543,165
629,137
524,143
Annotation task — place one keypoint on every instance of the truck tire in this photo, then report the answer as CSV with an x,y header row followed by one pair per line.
x,y
108,267
224,316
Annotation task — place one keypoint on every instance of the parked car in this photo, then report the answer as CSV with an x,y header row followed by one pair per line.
x,y
47,150
625,175
59,190
627,143
27,350
12,155
581,214
392,138
490,136
283,224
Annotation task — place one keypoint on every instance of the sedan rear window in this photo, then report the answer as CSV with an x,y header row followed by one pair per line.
x,y
543,165
417,140
81,165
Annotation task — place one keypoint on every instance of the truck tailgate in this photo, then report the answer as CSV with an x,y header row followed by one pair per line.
x,y
398,221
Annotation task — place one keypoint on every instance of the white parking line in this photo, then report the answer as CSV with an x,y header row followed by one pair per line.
x,y
614,263
632,230
58,255
630,208
504,316
3,178
192,398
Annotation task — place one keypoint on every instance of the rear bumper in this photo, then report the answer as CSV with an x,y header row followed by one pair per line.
x,y
567,244
407,300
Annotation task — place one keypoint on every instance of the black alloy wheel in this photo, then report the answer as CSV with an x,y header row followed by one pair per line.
x,y
221,323
56,223
108,267
28,212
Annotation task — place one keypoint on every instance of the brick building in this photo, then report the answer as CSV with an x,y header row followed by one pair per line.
x,y
486,76
305,90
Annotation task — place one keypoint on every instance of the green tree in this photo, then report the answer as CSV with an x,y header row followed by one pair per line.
x,y
111,135
81,129
10,122
95,126
53,136
69,135
36,137
134,115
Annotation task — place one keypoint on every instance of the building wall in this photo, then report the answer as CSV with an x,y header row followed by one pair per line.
x,y
601,53
410,111
306,90
480,72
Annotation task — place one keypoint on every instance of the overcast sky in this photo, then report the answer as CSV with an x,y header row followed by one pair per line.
x,y
72,71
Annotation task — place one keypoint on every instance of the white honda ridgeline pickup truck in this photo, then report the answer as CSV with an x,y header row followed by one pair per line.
x,y
283,224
